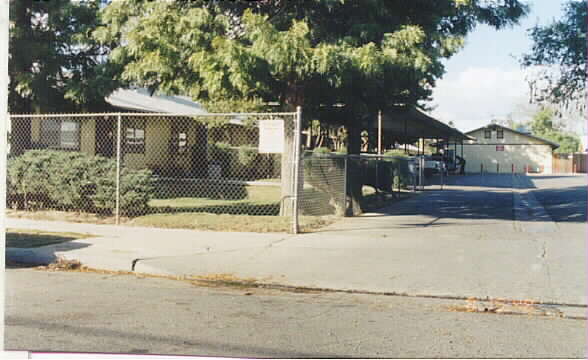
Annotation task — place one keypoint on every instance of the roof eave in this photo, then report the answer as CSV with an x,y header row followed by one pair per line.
x,y
552,144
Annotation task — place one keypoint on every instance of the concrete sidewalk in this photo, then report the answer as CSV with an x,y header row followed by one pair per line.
x,y
119,247
485,239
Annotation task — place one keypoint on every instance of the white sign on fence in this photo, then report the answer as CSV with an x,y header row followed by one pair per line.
x,y
271,136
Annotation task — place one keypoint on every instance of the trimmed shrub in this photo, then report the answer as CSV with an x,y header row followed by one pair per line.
x,y
75,181
242,162
400,172
222,155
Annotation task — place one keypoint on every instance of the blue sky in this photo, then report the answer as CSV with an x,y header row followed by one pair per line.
x,y
484,80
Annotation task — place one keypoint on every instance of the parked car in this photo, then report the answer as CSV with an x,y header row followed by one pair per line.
x,y
434,164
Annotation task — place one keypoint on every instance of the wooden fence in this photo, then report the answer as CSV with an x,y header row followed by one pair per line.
x,y
569,163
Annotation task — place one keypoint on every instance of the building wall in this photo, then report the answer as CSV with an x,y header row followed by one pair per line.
x,y
88,136
485,156
156,155
513,152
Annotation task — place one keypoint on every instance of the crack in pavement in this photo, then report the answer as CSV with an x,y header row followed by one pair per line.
x,y
526,210
207,251
271,244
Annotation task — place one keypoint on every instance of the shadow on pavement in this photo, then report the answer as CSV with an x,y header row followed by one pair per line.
x,y
437,208
31,257
458,204
564,204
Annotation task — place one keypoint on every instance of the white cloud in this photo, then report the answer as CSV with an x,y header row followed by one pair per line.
x,y
472,97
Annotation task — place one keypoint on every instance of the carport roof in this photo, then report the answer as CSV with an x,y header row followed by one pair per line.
x,y
406,121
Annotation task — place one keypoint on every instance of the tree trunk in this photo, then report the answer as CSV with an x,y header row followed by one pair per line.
x,y
354,170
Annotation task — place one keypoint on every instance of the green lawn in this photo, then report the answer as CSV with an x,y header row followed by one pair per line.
x,y
227,199
215,207
224,207
24,238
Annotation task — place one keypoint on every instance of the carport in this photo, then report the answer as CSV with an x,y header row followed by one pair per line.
x,y
404,124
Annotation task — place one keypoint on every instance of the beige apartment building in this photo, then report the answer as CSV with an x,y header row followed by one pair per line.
x,y
498,149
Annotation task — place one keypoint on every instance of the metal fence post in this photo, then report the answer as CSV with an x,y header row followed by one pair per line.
x,y
118,161
377,176
421,173
345,185
296,193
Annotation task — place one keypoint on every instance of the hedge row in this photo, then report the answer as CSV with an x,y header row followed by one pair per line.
x,y
76,182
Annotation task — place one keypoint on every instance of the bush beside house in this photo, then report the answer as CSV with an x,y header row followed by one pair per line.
x,y
48,179
243,162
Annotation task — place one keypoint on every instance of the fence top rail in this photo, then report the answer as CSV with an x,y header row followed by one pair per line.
x,y
149,114
310,154
375,156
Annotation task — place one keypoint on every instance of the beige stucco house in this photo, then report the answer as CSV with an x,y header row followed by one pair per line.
x,y
498,149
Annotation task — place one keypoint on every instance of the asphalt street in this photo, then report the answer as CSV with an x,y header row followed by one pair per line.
x,y
86,312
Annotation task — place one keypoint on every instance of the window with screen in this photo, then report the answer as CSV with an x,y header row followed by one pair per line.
x,y
500,134
60,134
182,142
179,139
487,134
135,136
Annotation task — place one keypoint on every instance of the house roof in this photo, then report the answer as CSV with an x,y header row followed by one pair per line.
x,y
493,126
410,122
140,99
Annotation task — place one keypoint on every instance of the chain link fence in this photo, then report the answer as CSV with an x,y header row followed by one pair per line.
x,y
324,189
328,177
383,178
127,165
131,164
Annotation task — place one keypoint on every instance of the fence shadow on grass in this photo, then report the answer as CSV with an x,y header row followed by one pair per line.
x,y
170,189
242,208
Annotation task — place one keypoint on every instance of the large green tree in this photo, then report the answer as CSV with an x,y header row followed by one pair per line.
x,y
543,125
559,50
362,54
55,64
312,53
